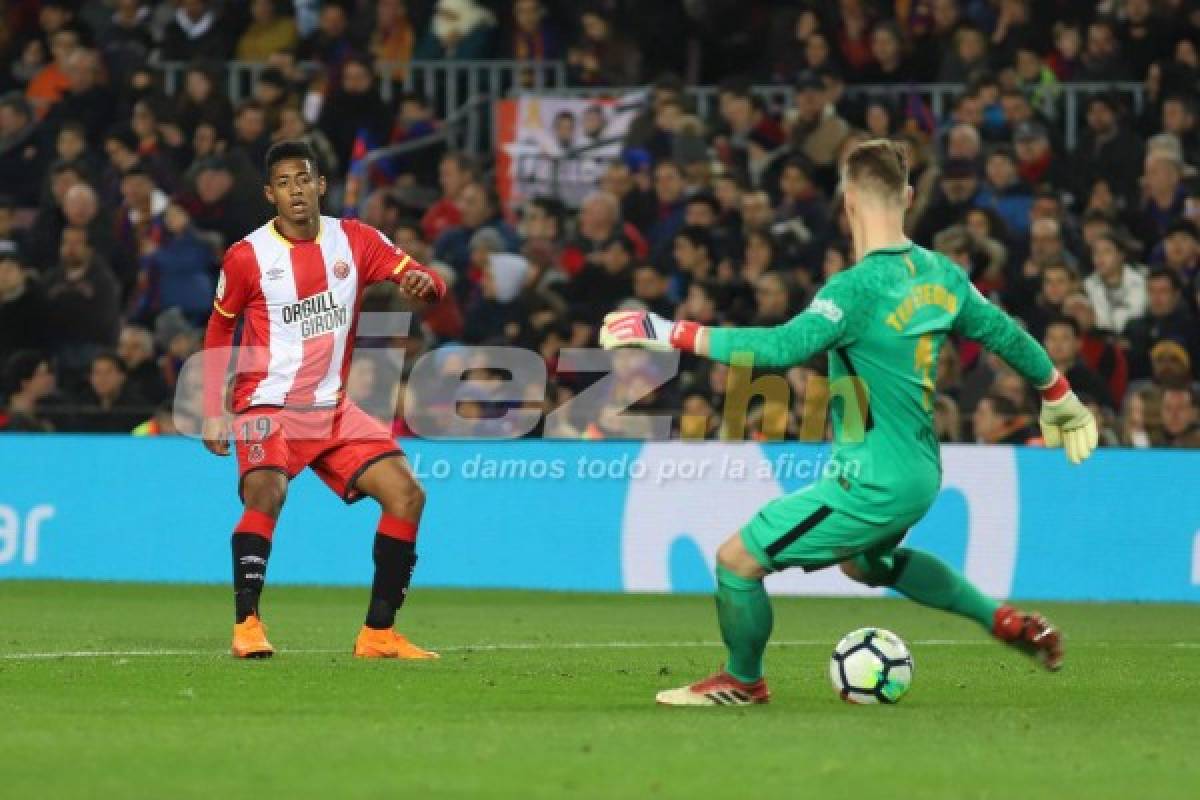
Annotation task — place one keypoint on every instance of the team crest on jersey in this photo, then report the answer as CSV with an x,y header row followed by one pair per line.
x,y
341,269
221,286
256,454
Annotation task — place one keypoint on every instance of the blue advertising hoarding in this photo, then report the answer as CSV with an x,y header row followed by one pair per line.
x,y
597,516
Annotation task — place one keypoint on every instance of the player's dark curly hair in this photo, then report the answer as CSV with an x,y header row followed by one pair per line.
x,y
293,148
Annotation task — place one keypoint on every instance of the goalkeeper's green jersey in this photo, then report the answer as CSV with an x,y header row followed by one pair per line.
x,y
883,323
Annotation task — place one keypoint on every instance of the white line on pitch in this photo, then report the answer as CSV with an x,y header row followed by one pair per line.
x,y
506,646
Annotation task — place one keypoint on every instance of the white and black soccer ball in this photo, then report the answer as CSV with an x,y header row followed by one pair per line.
x,y
871,665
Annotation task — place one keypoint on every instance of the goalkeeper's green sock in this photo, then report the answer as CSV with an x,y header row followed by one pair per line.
x,y
931,582
744,612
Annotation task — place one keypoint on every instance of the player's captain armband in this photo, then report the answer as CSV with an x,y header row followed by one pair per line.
x,y
827,309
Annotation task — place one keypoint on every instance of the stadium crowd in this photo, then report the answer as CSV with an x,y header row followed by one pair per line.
x,y
118,199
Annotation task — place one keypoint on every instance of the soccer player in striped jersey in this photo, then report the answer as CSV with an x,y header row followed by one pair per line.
x,y
296,285
883,323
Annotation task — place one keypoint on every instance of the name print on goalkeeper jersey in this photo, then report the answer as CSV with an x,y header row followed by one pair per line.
x,y
884,322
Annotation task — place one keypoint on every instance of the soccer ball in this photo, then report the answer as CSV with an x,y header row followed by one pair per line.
x,y
871,665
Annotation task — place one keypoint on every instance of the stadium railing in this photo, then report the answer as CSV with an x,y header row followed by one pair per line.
x,y
452,85
938,97
448,84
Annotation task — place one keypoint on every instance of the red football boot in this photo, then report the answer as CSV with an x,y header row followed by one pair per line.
x,y
1032,634
721,689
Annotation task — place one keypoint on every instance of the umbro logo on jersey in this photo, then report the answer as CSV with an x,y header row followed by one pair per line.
x,y
275,274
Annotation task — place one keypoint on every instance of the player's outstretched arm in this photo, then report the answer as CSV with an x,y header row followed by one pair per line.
x,y
785,345
821,326
1064,420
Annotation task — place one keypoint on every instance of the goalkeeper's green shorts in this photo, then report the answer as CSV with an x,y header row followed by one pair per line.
x,y
821,525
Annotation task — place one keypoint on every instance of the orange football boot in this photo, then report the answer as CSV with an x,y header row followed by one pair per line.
x,y
376,643
250,639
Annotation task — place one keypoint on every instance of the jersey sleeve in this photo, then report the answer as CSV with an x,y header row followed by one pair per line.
x,y
378,259
237,282
983,322
826,323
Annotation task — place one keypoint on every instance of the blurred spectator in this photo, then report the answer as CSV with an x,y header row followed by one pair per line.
x,y
50,83
480,209
108,403
126,41
1167,317
331,43
604,281
599,224
268,32
22,160
1141,419
1179,118
86,100
1170,365
814,127
968,55
460,30
1116,289
1108,149
1101,59
532,36
176,270
135,347
957,191
668,213
22,305
68,191
27,381
890,61
1036,162
202,99
355,115
222,204
196,31
392,39
251,137
997,420
1164,196
1062,345
601,56
455,171
1005,192
1101,351
1058,282
1180,423
650,288
82,299
293,126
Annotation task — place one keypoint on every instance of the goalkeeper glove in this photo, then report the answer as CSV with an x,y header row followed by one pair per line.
x,y
648,331
1066,422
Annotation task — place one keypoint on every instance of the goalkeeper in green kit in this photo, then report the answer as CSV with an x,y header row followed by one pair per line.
x,y
883,323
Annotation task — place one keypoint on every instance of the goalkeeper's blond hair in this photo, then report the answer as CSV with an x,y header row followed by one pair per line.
x,y
878,166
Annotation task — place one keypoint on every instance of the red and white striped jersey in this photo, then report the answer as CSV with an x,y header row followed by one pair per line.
x,y
299,301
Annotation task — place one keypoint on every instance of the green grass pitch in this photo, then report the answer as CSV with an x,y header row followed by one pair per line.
x,y
551,695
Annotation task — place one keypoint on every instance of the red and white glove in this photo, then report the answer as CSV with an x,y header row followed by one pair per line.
x,y
1066,422
648,331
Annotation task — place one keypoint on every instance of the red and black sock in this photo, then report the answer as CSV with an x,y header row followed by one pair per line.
x,y
395,559
251,545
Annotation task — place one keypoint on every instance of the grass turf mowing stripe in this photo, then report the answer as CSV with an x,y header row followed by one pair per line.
x,y
502,646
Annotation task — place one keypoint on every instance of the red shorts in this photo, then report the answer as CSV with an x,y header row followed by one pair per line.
x,y
338,443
